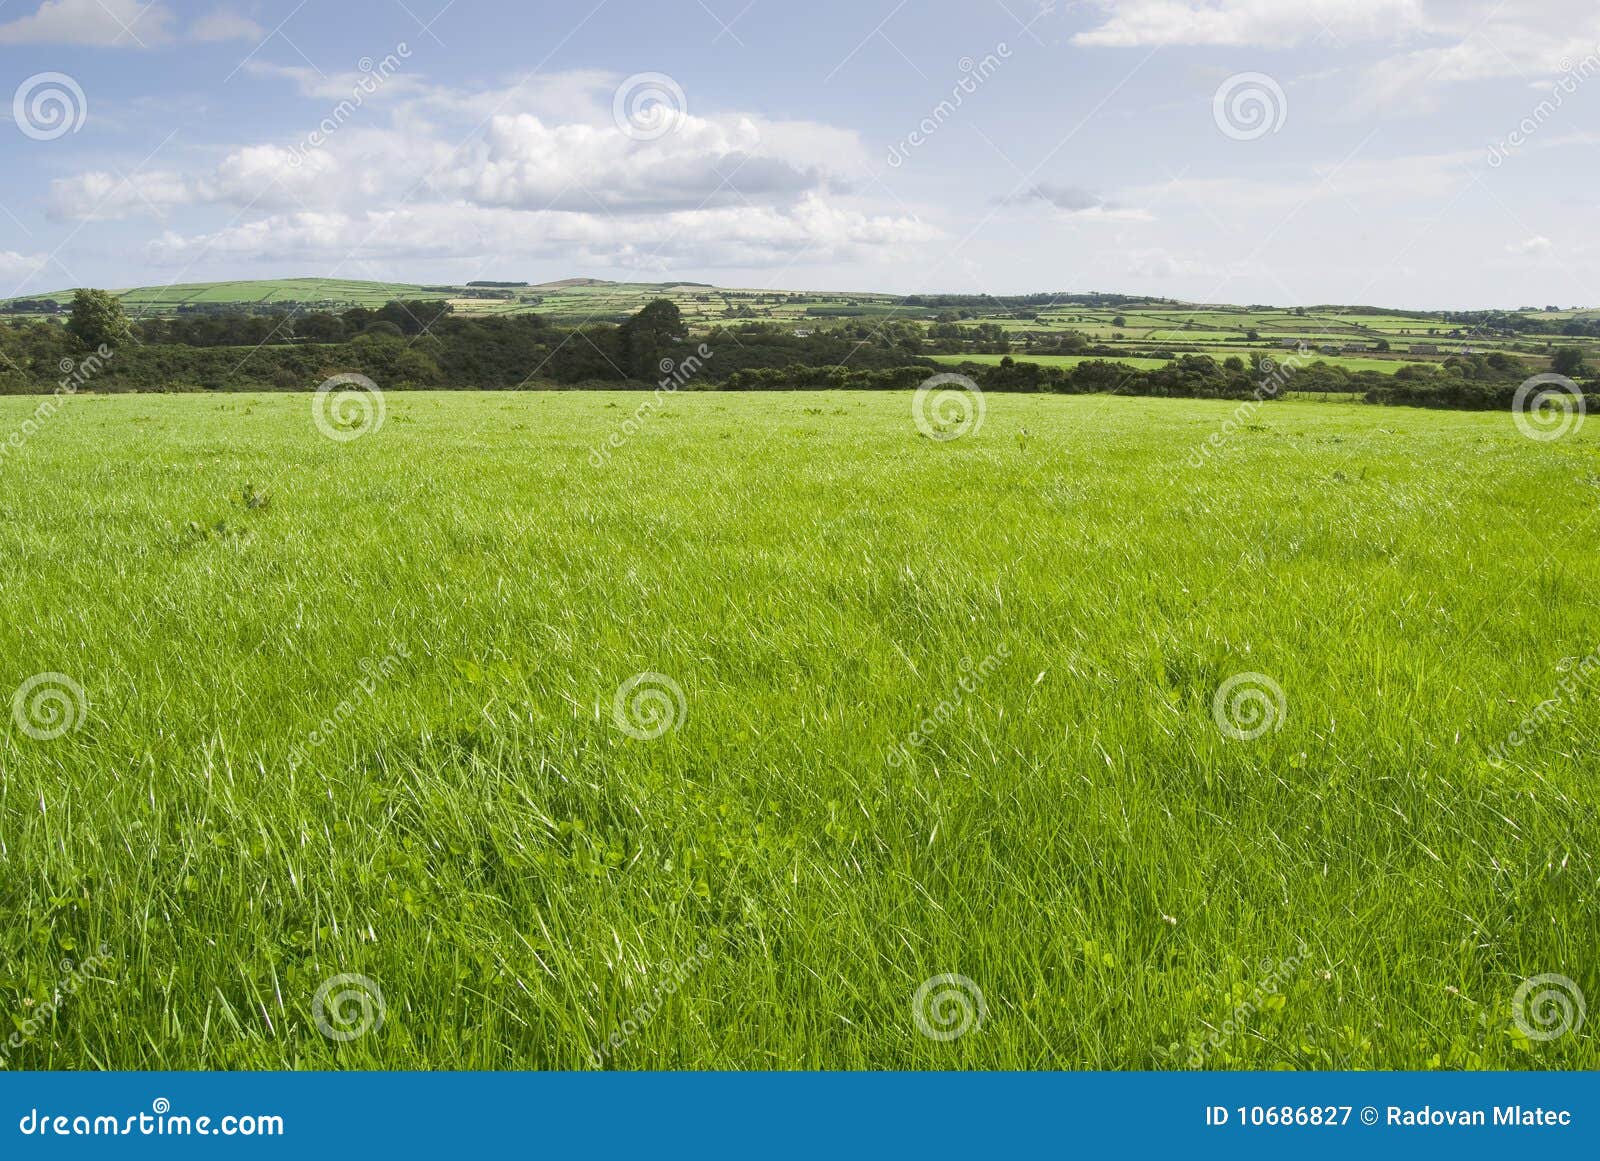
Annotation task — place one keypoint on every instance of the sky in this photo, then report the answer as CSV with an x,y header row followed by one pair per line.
x,y
1425,154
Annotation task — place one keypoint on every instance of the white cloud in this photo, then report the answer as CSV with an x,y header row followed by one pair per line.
x,y
1429,43
1075,202
1367,184
530,165
100,196
403,181
575,95
226,24
1270,23
389,85
100,23
734,236
519,162
1538,244
20,266
1161,265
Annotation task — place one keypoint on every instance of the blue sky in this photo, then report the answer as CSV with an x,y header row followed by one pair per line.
x,y
1402,152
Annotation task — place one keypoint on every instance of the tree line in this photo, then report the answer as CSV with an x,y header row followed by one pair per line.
x,y
424,344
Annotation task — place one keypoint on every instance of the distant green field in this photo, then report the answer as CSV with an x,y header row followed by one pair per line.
x,y
1363,363
834,725
1046,360
347,292
1349,363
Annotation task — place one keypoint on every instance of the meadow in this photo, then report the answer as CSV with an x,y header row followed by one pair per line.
x,y
1348,362
565,733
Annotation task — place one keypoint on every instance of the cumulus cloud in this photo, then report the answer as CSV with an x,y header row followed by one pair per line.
x,y
226,24
14,266
100,23
519,162
528,164
1428,43
101,196
734,236
1370,185
122,24
1076,202
1270,23
398,180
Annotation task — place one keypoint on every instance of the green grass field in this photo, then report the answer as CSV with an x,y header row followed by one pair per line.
x,y
334,291
925,708
1044,360
1348,362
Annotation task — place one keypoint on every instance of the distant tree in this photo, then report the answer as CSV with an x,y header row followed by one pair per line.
x,y
1253,336
1119,321
319,327
649,336
1568,361
98,320
413,317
